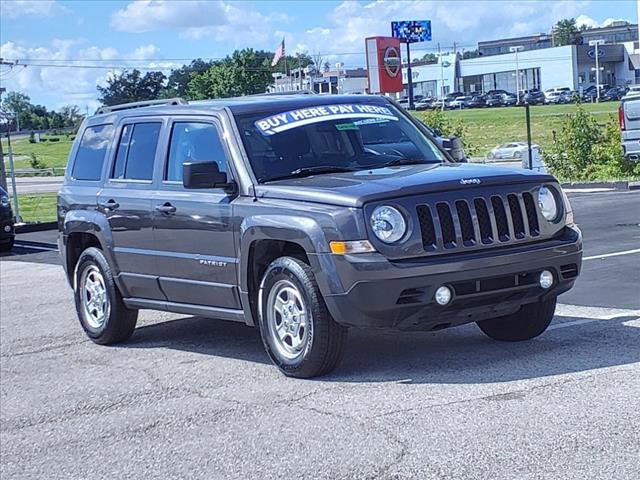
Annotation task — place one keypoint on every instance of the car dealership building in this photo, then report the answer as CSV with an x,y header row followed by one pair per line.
x,y
539,64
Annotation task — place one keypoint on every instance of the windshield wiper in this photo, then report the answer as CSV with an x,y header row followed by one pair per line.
x,y
403,161
308,171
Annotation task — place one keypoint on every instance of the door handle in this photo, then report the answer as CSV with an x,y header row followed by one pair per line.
x,y
110,204
166,208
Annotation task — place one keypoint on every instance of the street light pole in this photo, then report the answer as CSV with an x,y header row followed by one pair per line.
x,y
515,49
596,43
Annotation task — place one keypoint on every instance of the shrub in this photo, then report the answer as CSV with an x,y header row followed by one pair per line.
x,y
583,150
32,137
54,139
36,163
445,126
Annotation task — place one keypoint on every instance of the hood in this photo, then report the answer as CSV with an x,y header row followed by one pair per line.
x,y
354,189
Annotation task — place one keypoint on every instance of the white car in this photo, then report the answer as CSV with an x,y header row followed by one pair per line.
x,y
459,102
634,91
513,150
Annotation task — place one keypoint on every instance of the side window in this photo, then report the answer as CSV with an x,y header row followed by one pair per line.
x,y
137,151
193,142
91,152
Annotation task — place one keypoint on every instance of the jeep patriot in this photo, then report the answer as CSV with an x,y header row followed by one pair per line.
x,y
305,215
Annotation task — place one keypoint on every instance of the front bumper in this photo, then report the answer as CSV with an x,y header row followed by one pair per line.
x,y
370,291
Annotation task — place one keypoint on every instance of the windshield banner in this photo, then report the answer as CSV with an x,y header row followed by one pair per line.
x,y
305,116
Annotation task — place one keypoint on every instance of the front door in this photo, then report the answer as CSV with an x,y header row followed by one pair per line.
x,y
194,230
126,202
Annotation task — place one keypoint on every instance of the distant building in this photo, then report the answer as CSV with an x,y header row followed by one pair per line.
x,y
333,81
539,63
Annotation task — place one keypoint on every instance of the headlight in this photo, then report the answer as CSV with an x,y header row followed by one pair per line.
x,y
547,203
4,200
388,224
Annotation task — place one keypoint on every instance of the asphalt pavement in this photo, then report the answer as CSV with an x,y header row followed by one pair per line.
x,y
188,397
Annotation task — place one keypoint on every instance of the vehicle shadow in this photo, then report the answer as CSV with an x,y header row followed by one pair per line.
x,y
457,356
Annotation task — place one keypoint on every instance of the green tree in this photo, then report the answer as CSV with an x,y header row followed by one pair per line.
x,y
429,58
132,86
566,32
245,72
179,78
20,105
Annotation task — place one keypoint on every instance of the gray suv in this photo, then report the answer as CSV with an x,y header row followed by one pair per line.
x,y
305,215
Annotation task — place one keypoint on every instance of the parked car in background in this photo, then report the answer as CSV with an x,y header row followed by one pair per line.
x,y
534,97
513,150
496,92
495,100
555,93
590,93
477,101
634,90
629,118
556,97
7,232
425,103
613,93
459,102
509,99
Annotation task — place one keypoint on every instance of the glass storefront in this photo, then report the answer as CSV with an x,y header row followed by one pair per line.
x,y
529,79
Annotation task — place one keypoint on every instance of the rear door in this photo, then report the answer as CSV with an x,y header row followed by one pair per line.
x,y
126,202
194,229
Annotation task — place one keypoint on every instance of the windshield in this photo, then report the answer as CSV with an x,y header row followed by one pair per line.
x,y
332,138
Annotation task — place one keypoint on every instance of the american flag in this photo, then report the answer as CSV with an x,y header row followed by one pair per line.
x,y
278,55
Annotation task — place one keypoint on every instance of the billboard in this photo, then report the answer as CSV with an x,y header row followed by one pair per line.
x,y
412,31
384,67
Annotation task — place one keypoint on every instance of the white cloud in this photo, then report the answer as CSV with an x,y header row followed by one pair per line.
x,y
57,85
149,15
31,8
462,22
592,23
231,22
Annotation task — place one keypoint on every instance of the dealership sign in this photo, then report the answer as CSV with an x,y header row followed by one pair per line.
x,y
412,31
384,65
592,52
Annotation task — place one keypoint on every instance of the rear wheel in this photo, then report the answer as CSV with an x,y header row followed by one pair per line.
x,y
527,323
101,311
298,333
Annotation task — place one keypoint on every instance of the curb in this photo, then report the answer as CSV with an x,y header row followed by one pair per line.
x,y
35,227
622,185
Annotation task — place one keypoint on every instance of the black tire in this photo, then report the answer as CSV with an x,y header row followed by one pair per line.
x,y
120,321
326,338
7,245
527,323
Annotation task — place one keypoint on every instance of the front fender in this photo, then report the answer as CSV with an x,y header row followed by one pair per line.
x,y
302,231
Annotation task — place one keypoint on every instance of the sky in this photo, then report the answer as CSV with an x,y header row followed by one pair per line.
x,y
73,46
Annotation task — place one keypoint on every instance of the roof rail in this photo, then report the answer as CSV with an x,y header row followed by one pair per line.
x,y
290,92
144,103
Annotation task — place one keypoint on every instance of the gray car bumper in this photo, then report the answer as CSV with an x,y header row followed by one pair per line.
x,y
370,291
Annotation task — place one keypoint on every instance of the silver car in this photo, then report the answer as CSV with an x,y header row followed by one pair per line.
x,y
513,150
629,117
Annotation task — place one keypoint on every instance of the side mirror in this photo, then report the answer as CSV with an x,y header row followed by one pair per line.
x,y
203,175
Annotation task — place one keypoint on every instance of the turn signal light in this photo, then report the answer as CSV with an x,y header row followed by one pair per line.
x,y
357,246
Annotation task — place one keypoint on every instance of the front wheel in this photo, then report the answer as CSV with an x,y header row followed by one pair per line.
x,y
101,311
298,333
7,245
527,323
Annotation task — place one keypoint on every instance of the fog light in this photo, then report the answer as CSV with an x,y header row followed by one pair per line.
x,y
7,228
443,295
546,279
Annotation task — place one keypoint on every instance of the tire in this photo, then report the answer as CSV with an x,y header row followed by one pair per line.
x,y
307,342
517,155
93,279
527,323
7,246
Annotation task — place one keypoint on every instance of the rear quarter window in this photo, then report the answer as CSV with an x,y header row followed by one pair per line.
x,y
91,152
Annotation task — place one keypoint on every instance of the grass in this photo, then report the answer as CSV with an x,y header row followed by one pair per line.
x,y
52,154
37,207
488,127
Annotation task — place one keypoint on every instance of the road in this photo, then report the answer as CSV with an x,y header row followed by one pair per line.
x,y
194,398
30,185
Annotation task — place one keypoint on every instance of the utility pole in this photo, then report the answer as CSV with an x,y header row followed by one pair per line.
x,y
596,43
441,78
515,49
409,77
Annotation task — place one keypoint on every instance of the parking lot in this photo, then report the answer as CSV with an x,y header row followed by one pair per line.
x,y
194,398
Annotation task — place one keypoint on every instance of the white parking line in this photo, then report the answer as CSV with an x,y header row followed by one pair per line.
x,y
614,254
592,314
